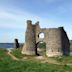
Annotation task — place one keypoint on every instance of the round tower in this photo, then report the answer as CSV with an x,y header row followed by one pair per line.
x,y
29,46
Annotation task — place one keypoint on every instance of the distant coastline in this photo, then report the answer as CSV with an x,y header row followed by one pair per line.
x,y
8,45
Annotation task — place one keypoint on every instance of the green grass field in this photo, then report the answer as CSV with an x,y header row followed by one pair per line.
x,y
7,64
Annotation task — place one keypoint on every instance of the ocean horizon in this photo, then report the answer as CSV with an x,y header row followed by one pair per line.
x,y
8,45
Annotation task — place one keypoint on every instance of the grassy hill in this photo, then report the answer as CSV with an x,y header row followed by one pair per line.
x,y
7,64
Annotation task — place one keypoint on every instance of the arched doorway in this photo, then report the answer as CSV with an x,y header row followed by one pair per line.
x,y
41,48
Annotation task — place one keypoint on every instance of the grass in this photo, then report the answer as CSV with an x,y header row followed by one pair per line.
x,y
3,54
31,66
9,65
17,53
63,59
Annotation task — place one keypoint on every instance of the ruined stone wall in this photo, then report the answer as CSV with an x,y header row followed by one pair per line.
x,y
71,48
54,43
65,43
56,40
52,39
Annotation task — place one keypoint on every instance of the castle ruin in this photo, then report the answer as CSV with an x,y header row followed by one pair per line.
x,y
57,42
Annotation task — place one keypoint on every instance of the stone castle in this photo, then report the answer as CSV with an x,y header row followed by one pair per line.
x,y
57,42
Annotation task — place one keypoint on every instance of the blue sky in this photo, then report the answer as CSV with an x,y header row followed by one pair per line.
x,y
50,13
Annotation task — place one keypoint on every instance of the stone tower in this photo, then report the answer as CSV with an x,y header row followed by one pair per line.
x,y
30,39
57,42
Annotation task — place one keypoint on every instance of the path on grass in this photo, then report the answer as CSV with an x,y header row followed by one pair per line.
x,y
11,55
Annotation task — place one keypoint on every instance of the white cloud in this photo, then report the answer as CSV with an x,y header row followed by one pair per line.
x,y
9,37
6,15
15,18
10,26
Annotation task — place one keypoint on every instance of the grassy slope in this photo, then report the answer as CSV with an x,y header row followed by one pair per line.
x,y
9,65
64,59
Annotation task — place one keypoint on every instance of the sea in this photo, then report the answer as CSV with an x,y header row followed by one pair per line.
x,y
6,45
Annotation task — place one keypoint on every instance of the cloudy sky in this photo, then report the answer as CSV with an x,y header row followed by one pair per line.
x,y
50,13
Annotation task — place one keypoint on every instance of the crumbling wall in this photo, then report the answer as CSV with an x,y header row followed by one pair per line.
x,y
71,47
65,42
54,43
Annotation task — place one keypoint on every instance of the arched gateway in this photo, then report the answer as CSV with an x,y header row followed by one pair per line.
x,y
57,42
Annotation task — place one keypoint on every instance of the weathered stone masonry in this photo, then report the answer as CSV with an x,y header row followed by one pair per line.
x,y
57,42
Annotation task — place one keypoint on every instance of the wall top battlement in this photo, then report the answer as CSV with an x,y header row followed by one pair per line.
x,y
29,23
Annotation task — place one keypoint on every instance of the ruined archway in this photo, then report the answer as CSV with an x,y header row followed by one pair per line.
x,y
41,48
